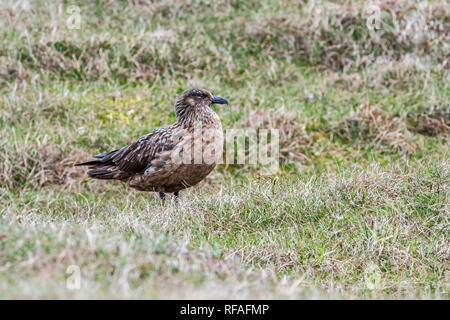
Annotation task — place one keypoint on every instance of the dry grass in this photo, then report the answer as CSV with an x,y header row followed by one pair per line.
x,y
369,126
293,139
293,236
433,123
332,36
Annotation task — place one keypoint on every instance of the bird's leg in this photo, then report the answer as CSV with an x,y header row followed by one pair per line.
x,y
176,197
162,196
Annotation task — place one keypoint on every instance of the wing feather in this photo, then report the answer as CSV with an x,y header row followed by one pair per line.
x,y
133,158
137,156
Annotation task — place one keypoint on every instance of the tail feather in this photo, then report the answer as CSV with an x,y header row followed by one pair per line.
x,y
95,162
104,168
102,173
108,173
89,163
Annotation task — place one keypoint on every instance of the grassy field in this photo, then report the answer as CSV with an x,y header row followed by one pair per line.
x,y
359,207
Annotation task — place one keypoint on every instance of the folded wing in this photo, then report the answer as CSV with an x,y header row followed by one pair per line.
x,y
132,159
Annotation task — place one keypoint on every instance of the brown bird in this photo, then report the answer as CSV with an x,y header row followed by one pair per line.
x,y
172,158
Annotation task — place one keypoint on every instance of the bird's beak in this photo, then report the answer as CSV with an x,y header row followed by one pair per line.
x,y
219,100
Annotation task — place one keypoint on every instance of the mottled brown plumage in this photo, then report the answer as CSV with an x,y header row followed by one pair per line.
x,y
172,158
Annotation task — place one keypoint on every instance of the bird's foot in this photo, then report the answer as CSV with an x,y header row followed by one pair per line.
x,y
176,198
162,196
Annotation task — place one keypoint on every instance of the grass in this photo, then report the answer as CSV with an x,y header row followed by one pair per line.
x,y
358,208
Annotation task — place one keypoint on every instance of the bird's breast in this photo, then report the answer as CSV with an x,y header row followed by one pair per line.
x,y
212,140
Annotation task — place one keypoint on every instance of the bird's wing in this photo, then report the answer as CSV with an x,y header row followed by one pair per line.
x,y
135,157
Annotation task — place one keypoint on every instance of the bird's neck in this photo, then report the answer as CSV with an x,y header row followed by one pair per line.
x,y
206,116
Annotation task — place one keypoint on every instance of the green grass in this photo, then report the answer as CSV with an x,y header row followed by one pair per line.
x,y
358,209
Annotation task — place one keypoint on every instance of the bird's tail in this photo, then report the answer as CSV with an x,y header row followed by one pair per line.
x,y
106,173
94,162
89,163
101,169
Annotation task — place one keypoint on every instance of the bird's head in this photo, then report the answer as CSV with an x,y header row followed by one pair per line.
x,y
195,100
